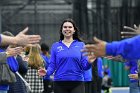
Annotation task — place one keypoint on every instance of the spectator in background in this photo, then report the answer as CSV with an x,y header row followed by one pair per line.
x,y
19,85
106,69
100,74
10,52
11,61
67,62
132,67
97,73
107,83
47,82
88,80
93,77
35,62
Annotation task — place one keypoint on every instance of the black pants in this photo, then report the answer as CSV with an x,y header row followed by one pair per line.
x,y
48,86
88,87
97,85
69,87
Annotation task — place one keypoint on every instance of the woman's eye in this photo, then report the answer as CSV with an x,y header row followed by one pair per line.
x,y
67,26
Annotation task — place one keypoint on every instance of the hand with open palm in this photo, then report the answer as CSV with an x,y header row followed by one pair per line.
x,y
130,31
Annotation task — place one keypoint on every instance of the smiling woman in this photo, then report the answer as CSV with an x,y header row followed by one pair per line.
x,y
67,61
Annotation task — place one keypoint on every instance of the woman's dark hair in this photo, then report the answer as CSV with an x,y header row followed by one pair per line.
x,y
75,35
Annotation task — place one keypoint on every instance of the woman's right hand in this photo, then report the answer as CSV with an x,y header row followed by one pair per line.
x,y
42,72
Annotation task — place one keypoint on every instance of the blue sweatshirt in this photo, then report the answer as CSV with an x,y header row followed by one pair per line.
x,y
108,71
47,62
133,68
88,73
13,64
67,63
128,48
100,69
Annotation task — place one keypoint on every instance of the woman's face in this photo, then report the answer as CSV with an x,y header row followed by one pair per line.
x,y
68,29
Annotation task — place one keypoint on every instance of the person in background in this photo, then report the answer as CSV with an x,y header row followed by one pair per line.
x,y
106,69
35,61
100,74
67,62
97,73
47,82
107,83
19,85
88,80
93,77
11,61
132,67
10,52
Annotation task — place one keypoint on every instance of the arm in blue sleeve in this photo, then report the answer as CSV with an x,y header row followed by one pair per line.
x,y
84,59
99,65
85,64
128,48
128,63
52,65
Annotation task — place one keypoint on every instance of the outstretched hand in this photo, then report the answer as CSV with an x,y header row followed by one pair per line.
x,y
42,72
23,39
99,48
132,31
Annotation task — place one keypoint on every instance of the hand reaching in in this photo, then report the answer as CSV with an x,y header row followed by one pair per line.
x,y
42,72
23,39
132,31
99,48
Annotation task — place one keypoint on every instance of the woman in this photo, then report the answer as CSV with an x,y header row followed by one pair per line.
x,y
67,62
35,61
132,67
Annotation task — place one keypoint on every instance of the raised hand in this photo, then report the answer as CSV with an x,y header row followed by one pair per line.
x,y
132,31
13,51
98,48
23,39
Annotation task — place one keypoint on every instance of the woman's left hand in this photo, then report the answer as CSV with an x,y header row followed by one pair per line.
x,y
91,58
